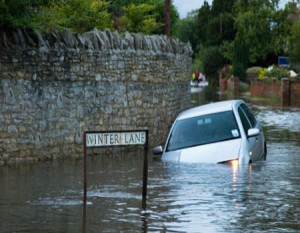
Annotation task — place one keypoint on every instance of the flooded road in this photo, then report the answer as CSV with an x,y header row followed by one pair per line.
x,y
262,197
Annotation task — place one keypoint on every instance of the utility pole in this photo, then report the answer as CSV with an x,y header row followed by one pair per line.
x,y
167,17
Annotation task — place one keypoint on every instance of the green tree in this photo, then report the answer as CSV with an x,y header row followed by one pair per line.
x,y
214,25
139,18
84,15
240,59
77,15
117,10
244,31
261,31
160,16
254,25
211,59
220,29
294,44
293,41
202,21
281,27
221,26
14,13
185,29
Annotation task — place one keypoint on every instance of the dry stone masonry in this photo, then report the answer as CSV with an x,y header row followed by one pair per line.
x,y
54,87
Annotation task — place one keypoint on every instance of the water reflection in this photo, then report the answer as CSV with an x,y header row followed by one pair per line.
x,y
234,165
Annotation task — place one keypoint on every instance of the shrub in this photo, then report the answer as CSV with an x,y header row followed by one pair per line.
x,y
270,72
278,72
262,73
254,69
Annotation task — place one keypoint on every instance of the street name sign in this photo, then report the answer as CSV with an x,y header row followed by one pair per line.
x,y
92,139
99,139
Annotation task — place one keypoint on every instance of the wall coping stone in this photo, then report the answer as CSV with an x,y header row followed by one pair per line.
x,y
94,40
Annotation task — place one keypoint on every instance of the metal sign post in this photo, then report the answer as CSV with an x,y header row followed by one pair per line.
x,y
92,139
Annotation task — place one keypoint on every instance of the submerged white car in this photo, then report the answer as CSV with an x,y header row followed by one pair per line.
x,y
220,132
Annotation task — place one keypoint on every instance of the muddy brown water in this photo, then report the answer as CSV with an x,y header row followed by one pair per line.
x,y
261,197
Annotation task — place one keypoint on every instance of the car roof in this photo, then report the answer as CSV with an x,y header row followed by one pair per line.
x,y
215,107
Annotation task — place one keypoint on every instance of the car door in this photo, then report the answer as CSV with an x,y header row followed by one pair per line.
x,y
256,143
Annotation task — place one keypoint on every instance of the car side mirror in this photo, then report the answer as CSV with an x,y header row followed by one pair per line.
x,y
158,150
253,132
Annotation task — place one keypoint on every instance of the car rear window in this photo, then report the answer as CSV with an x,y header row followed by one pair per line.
x,y
203,130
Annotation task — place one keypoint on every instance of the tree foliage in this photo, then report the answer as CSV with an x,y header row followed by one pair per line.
x,y
119,10
77,15
212,59
294,35
139,18
254,23
240,59
146,16
294,44
244,31
185,30
14,13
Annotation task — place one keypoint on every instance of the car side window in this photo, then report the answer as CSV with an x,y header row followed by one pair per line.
x,y
249,115
244,119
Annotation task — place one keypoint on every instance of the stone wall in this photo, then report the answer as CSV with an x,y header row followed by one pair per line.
x,y
54,87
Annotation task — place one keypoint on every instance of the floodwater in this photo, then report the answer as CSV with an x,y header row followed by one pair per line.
x,y
262,197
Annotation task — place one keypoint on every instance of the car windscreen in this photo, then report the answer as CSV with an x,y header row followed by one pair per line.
x,y
202,130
